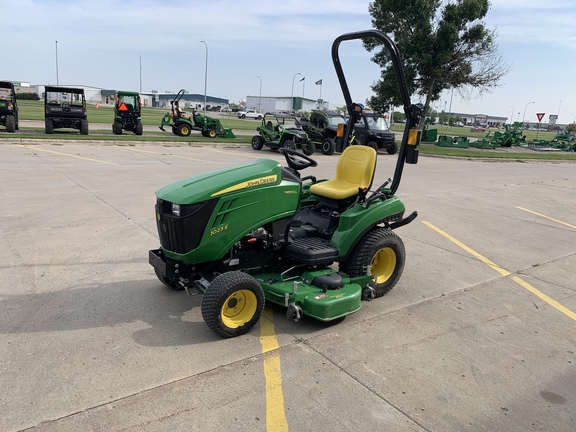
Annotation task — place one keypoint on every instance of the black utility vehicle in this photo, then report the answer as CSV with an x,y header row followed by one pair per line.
x,y
8,106
372,130
322,129
65,107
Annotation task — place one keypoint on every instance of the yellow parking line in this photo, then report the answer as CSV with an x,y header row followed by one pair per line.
x,y
164,154
467,249
503,272
547,217
69,155
275,414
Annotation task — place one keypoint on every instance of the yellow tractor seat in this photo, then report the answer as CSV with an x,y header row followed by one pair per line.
x,y
354,172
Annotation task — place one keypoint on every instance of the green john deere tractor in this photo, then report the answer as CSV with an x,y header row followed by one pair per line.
x,y
261,232
8,107
182,124
127,113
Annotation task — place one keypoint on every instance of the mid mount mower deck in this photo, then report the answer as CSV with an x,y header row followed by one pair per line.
x,y
260,232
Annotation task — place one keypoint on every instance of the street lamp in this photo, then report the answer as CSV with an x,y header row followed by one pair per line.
x,y
511,115
205,75
292,93
260,95
56,62
524,116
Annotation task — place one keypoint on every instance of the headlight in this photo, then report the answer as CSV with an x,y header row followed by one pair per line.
x,y
176,209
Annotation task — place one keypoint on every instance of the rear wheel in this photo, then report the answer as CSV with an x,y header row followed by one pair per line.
x,y
183,129
10,123
289,144
117,128
49,125
232,304
257,142
392,148
374,145
308,148
84,127
328,146
139,129
381,252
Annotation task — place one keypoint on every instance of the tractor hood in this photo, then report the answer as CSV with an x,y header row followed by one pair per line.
x,y
218,183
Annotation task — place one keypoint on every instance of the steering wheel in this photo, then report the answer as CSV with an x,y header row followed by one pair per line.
x,y
296,160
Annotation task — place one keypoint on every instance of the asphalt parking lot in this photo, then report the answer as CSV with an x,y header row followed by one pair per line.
x,y
478,335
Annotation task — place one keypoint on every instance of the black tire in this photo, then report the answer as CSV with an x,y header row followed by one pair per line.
x,y
117,128
49,125
243,116
328,146
392,148
289,144
257,142
309,148
169,282
232,304
84,127
373,144
259,117
204,134
383,253
10,123
139,129
183,129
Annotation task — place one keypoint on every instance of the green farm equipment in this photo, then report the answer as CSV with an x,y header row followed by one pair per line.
x,y
127,113
456,142
260,232
285,132
182,124
512,135
429,135
8,107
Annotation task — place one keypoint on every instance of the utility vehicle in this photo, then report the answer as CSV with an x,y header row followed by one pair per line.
x,y
65,107
285,132
261,232
322,129
183,124
372,130
127,113
8,107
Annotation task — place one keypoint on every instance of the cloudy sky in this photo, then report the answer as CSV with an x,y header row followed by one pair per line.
x,y
252,44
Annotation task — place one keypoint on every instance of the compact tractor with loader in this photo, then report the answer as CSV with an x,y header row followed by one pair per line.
x,y
262,232
182,123
127,113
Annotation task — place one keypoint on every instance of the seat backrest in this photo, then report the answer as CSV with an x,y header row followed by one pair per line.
x,y
269,126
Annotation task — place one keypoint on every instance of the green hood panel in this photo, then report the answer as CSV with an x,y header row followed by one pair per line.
x,y
221,182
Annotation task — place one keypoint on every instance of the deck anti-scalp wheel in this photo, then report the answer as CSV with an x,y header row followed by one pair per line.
x,y
382,252
232,304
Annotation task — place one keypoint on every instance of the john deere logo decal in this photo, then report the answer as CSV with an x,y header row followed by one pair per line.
x,y
248,184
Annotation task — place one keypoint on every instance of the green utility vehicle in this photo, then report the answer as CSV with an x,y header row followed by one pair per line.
x,y
284,132
323,129
261,232
8,107
183,124
65,107
127,113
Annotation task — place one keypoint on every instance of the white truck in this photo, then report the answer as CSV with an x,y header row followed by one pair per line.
x,y
253,114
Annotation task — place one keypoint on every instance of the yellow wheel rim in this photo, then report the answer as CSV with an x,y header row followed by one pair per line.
x,y
185,131
239,308
383,264
212,134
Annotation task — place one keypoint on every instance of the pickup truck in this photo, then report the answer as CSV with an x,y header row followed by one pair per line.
x,y
250,114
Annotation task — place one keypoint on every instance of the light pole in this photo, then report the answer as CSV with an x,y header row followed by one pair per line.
x,y
205,75
260,95
511,115
524,116
57,81
292,93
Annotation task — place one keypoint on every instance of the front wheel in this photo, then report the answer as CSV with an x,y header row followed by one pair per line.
x,y
328,146
309,148
374,145
289,144
232,304
257,142
392,148
381,252
212,133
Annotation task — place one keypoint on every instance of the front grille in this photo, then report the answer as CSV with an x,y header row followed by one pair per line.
x,y
182,234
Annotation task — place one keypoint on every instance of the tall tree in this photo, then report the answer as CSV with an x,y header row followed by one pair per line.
x,y
444,45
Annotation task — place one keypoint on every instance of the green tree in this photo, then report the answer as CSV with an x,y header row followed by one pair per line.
x,y
444,45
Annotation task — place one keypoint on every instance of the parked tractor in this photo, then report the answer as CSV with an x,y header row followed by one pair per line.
x,y
183,123
127,113
8,107
260,232
284,132
65,107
